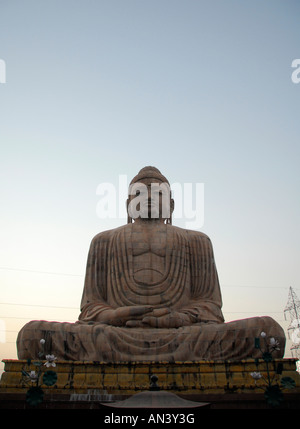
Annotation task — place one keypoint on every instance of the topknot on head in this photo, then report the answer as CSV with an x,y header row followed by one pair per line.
x,y
149,172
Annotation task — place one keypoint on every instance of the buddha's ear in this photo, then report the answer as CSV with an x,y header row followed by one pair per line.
x,y
172,205
129,219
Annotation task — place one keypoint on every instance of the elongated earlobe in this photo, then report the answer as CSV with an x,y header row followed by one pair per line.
x,y
129,218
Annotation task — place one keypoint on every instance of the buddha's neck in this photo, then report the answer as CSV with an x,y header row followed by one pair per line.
x,y
149,221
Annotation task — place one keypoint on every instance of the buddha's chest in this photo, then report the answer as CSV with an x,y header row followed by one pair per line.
x,y
149,253
148,240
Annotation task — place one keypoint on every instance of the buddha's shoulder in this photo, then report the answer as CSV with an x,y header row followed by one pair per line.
x,y
109,233
190,234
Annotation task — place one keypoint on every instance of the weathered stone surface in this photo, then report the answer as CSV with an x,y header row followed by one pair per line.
x,y
151,293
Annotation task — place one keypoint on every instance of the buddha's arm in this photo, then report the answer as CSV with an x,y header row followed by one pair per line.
x,y
114,316
93,311
203,311
206,302
93,304
170,318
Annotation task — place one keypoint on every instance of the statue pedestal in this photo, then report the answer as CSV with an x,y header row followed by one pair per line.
x,y
223,384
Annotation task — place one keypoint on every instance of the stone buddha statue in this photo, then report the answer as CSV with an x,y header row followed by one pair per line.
x,y
151,293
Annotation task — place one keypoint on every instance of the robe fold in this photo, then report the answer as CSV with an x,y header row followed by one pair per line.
x,y
188,285
190,282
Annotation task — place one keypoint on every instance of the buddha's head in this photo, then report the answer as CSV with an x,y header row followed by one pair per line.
x,y
149,197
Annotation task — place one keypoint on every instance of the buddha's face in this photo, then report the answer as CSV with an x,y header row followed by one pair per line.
x,y
150,198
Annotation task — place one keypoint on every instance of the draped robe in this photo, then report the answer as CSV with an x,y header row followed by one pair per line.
x,y
188,285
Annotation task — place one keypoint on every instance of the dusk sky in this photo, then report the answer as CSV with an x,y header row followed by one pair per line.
x,y
96,90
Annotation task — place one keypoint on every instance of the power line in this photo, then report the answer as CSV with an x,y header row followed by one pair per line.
x,y
76,308
37,305
255,287
81,275
22,318
41,272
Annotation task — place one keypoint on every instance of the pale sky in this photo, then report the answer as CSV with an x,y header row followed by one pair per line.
x,y
201,89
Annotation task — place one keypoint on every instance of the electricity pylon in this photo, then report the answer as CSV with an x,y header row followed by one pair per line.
x,y
293,308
